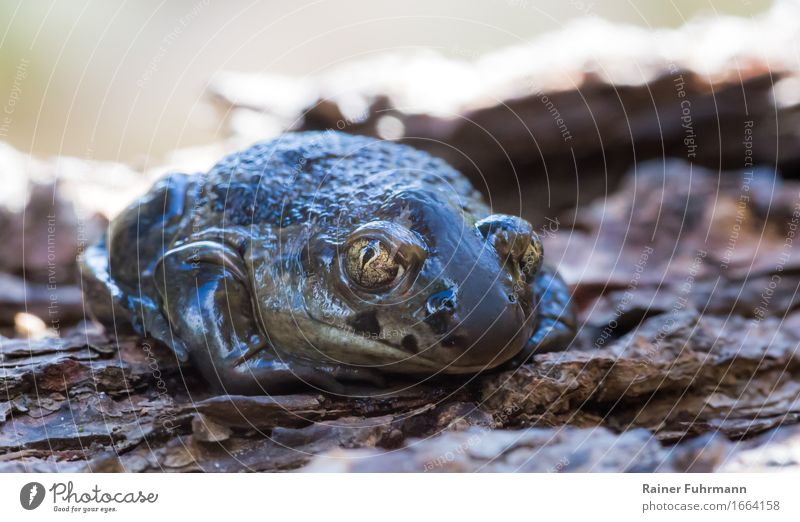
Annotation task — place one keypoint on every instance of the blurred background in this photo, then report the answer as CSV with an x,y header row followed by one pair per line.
x,y
127,81
652,145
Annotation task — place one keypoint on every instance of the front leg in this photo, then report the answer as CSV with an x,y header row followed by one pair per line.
x,y
554,316
208,306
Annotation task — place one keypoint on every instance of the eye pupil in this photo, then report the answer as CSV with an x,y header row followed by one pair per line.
x,y
367,254
532,259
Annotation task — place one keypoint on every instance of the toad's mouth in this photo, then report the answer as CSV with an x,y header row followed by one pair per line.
x,y
331,344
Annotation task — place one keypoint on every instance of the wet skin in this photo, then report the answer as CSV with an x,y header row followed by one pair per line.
x,y
330,260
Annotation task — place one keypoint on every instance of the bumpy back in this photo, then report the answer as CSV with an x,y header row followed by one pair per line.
x,y
313,176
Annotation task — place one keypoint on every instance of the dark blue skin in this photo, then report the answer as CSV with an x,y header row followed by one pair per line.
x,y
327,259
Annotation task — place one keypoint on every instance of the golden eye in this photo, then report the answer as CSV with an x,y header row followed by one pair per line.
x,y
531,260
371,264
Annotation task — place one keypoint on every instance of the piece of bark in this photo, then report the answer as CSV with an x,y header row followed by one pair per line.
x,y
653,367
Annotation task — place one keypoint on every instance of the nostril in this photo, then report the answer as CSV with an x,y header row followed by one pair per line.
x,y
441,308
444,301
